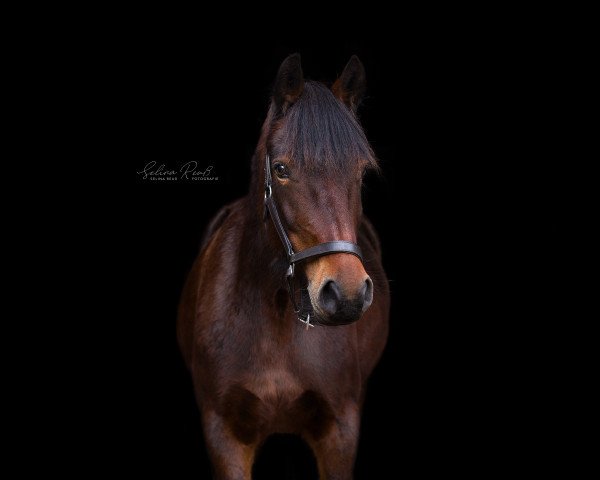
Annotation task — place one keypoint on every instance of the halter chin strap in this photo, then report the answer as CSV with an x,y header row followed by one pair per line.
x,y
327,248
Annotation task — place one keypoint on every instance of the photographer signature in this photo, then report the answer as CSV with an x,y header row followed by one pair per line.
x,y
188,171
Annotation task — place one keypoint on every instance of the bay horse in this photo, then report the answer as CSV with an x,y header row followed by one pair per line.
x,y
285,312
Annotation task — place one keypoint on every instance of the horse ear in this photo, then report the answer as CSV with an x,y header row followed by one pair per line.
x,y
351,85
289,82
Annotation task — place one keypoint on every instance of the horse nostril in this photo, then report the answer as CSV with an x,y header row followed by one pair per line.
x,y
366,293
330,297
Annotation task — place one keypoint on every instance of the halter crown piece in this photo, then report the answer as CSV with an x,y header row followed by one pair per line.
x,y
327,248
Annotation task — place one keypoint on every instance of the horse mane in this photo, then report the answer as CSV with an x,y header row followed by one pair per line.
x,y
318,131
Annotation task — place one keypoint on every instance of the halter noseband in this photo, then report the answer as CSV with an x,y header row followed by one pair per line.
x,y
327,248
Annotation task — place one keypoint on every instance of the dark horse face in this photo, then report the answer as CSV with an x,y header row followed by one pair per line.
x,y
319,154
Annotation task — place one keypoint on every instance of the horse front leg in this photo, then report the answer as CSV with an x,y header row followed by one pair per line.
x,y
335,449
231,458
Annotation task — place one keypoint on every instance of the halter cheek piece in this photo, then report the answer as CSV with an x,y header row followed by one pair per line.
x,y
327,248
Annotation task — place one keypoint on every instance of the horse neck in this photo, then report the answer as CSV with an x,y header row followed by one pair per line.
x,y
263,260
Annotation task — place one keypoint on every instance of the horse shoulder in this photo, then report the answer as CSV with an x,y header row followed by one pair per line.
x,y
207,265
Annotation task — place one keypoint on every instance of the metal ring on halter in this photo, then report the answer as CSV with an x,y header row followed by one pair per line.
x,y
307,321
268,191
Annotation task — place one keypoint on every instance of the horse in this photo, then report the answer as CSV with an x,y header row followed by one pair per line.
x,y
284,314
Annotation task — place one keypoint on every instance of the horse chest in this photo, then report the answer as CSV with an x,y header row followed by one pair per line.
x,y
270,374
273,397
282,379
275,385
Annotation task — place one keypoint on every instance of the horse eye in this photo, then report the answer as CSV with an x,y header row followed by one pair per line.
x,y
281,170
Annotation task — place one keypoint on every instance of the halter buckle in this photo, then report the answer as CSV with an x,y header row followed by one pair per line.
x,y
290,271
289,276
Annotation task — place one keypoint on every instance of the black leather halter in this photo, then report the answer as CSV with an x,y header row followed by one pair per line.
x,y
327,248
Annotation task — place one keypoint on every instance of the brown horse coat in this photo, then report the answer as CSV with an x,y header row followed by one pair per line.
x,y
256,370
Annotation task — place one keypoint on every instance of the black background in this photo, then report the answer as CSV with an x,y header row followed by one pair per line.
x,y
468,210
